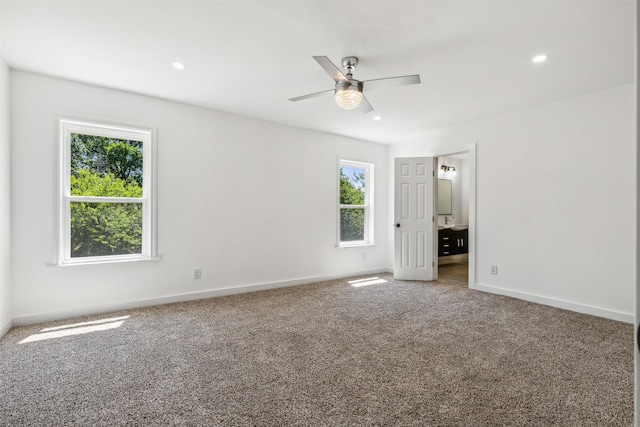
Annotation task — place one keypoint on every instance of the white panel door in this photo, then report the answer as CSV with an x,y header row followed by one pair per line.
x,y
415,248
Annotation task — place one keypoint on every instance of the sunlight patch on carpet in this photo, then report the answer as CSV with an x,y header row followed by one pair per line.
x,y
367,282
76,329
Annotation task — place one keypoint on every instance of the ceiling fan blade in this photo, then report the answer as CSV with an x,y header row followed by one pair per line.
x,y
331,69
365,106
376,84
312,95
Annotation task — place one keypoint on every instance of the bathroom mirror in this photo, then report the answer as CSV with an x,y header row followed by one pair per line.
x,y
444,197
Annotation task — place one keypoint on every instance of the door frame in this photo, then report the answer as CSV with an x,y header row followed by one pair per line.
x,y
471,150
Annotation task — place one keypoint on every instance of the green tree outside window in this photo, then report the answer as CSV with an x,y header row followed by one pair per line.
x,y
105,167
352,193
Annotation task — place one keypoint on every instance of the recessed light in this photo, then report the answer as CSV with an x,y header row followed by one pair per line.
x,y
178,66
539,58
377,118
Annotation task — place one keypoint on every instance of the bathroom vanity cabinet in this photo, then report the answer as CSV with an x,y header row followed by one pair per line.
x,y
452,242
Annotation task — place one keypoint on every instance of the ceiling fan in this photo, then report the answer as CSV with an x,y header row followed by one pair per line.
x,y
348,92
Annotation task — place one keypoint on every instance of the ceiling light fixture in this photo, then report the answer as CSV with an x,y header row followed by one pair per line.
x,y
377,118
348,95
178,66
539,58
446,169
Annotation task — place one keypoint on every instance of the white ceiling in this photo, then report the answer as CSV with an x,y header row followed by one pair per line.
x,y
250,57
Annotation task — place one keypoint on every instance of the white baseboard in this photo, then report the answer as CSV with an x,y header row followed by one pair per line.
x,y
6,327
553,302
125,305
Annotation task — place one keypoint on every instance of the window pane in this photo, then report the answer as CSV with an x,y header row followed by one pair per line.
x,y
99,229
351,224
105,167
352,185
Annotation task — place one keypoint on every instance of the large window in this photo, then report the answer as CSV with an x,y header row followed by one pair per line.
x,y
106,206
356,204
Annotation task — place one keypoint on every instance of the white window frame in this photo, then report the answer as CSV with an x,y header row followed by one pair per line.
x,y
68,126
368,204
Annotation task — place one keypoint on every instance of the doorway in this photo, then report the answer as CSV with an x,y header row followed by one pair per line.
x,y
429,245
453,217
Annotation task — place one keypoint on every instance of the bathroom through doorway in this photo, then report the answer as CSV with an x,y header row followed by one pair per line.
x,y
455,186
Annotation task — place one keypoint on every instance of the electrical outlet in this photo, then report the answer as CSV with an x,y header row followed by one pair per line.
x,y
197,273
494,269
364,256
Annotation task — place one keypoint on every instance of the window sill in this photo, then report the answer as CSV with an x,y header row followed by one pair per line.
x,y
353,245
104,261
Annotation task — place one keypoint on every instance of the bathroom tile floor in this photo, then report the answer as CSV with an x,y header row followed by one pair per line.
x,y
455,271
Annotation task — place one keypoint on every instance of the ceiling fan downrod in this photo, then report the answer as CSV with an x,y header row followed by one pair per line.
x,y
349,63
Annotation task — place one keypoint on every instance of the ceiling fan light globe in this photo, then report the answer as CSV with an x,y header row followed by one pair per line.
x,y
348,98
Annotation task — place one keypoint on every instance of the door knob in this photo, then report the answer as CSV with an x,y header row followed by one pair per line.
x,y
398,225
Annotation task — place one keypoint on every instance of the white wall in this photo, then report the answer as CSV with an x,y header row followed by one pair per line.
x,y
5,200
251,203
555,200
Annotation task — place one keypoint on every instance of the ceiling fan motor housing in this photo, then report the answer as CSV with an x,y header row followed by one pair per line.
x,y
350,85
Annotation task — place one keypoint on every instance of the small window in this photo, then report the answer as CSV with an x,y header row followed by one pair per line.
x,y
355,204
106,208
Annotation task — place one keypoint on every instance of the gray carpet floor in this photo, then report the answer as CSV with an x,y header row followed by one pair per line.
x,y
327,354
